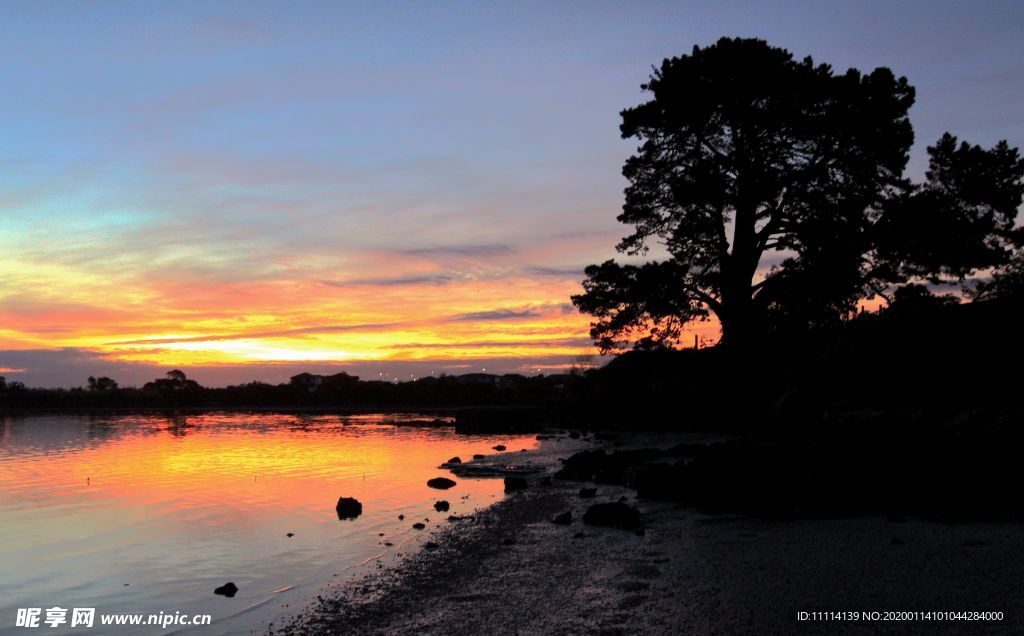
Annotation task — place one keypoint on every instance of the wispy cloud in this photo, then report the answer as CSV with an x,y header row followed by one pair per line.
x,y
397,281
496,249
497,314
491,315
525,343
262,334
575,273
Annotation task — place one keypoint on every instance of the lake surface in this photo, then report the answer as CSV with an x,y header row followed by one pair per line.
x,y
151,513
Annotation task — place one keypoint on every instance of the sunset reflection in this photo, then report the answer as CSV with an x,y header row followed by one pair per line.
x,y
164,503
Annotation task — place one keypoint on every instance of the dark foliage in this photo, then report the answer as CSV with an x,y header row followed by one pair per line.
x,y
923,352
962,219
1006,283
749,156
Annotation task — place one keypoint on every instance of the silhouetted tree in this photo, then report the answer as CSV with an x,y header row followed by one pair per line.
x,y
175,383
916,297
101,384
960,220
767,182
742,139
12,387
1006,282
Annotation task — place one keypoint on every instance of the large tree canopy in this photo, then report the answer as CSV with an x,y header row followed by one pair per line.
x,y
766,182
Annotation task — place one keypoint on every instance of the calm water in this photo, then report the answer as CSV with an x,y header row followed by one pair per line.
x,y
148,514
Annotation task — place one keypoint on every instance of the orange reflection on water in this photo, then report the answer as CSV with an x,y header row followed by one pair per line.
x,y
173,505
217,459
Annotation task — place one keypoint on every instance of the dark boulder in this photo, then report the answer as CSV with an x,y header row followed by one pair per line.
x,y
619,464
513,484
419,526
228,589
441,506
663,482
499,447
562,518
454,460
348,508
612,515
582,465
478,456
441,483
604,468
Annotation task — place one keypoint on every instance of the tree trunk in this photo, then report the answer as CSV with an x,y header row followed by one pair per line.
x,y
738,330
737,314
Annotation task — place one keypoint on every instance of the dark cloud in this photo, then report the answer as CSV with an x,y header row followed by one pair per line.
x,y
443,278
575,273
497,314
397,281
68,367
493,249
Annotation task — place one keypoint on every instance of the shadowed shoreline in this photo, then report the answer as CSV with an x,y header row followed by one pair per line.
x,y
509,569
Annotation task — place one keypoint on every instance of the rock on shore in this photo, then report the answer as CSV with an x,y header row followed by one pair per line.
x,y
349,508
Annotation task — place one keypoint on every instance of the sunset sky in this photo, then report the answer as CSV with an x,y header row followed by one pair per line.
x,y
247,190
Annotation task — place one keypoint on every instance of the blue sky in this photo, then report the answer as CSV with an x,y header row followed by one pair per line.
x,y
160,158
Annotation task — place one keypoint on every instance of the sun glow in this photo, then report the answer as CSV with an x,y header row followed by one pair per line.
x,y
162,321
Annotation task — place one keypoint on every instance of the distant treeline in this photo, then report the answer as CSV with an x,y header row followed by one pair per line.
x,y
303,390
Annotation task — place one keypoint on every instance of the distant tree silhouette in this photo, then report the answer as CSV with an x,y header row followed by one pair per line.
x,y
101,384
14,386
175,383
750,159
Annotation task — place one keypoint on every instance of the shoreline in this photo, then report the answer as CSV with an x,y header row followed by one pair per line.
x,y
509,569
